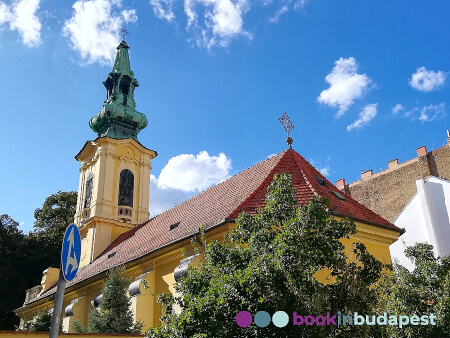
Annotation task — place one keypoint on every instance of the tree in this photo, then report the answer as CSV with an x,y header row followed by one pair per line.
x,y
25,256
41,323
52,220
11,247
269,263
423,291
114,314
21,267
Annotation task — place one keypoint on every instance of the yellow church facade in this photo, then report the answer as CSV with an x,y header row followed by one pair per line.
x,y
113,216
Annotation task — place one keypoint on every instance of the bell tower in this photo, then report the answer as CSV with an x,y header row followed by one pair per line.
x,y
113,193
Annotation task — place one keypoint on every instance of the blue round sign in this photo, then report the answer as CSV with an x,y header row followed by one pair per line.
x,y
71,252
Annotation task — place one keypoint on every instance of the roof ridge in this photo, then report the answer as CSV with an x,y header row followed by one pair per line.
x,y
303,174
261,184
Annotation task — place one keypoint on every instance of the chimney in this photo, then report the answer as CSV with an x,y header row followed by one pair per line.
x,y
340,184
422,151
366,174
49,277
393,163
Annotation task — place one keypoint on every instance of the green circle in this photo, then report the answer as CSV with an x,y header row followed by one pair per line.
x,y
280,319
261,319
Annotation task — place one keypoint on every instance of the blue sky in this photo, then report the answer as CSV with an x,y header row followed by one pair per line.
x,y
363,81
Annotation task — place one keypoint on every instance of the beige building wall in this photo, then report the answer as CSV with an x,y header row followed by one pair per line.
x,y
388,191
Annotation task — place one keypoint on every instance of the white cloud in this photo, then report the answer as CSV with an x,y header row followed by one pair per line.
x,y
300,4
365,116
185,175
189,172
164,199
93,29
427,80
129,15
215,23
346,85
276,17
432,113
397,109
266,2
163,9
324,169
21,16
223,20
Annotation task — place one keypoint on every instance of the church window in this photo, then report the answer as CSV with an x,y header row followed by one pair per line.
x,y
126,187
88,192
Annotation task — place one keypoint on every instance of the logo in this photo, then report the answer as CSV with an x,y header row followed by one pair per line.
x,y
281,319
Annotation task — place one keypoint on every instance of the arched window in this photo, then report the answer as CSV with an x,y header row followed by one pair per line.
x,y
88,191
126,187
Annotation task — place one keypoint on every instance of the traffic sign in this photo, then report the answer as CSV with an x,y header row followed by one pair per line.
x,y
71,252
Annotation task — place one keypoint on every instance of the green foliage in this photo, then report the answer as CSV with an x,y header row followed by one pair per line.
x,y
268,263
114,314
423,291
41,323
52,220
12,290
25,256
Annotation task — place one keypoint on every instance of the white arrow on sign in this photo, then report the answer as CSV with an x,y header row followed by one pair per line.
x,y
70,260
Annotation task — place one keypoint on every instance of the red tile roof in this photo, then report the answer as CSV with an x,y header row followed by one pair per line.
x,y
243,192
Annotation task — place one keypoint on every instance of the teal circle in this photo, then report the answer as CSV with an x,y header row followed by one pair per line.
x,y
261,319
280,319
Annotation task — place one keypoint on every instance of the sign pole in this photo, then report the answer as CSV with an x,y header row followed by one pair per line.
x,y
59,299
70,262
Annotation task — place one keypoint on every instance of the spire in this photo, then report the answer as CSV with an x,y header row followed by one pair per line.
x,y
118,118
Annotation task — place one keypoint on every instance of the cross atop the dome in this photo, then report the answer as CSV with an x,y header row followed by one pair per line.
x,y
124,32
288,126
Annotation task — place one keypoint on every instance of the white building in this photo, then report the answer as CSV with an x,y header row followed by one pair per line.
x,y
425,219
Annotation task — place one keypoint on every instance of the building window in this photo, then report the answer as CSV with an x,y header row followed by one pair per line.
x,y
126,187
88,192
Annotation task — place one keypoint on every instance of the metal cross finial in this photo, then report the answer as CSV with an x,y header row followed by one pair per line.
x,y
124,32
286,122
288,126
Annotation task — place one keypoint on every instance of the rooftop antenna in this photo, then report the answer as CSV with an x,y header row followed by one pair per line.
x,y
288,126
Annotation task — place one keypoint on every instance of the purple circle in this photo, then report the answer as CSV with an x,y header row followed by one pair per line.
x,y
244,319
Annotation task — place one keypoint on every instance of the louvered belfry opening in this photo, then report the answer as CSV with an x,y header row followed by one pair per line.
x,y
126,187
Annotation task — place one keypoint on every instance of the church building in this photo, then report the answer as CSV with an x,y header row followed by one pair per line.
x,y
115,225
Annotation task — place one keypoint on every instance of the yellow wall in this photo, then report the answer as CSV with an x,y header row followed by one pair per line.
x,y
104,221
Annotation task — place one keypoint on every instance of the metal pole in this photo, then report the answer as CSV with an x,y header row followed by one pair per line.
x,y
59,299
